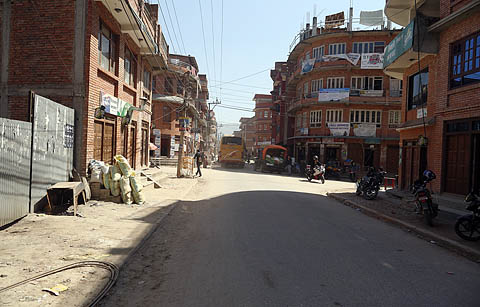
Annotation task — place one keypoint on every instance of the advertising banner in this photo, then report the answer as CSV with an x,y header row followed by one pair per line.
x,y
371,18
334,20
184,122
307,66
333,94
372,61
339,129
353,58
365,129
114,105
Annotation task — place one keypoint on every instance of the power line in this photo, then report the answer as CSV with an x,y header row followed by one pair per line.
x,y
173,28
213,43
178,24
246,85
164,20
203,34
247,76
221,55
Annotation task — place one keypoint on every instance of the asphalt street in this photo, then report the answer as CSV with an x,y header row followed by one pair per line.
x,y
250,239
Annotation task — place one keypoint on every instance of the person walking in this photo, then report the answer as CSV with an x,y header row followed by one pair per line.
x,y
199,157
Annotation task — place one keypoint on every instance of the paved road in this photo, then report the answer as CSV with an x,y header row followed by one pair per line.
x,y
251,239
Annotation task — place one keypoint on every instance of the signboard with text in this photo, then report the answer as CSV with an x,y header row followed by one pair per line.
x,y
333,94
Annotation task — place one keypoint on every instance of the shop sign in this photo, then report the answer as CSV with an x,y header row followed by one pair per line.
x,y
421,113
372,61
364,129
184,123
303,131
114,105
372,141
371,93
399,45
333,94
339,129
156,132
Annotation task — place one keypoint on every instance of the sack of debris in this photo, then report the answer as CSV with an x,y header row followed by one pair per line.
x,y
123,165
137,193
106,180
126,190
115,177
96,170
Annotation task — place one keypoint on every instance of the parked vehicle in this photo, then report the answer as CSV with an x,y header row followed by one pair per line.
x,y
272,159
370,184
423,198
317,173
467,227
231,151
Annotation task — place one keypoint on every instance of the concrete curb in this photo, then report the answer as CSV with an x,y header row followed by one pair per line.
x,y
463,250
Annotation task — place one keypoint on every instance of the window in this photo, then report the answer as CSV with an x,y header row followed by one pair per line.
x,y
367,83
334,116
265,114
393,118
317,85
129,67
366,116
147,83
396,86
179,87
335,82
106,48
465,61
368,47
316,119
307,55
168,85
338,48
318,52
417,89
167,114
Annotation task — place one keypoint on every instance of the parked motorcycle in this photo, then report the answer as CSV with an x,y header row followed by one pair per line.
x,y
317,173
423,198
467,227
370,184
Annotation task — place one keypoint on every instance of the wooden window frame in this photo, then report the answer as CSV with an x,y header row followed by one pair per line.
x,y
334,116
458,60
316,118
105,31
132,72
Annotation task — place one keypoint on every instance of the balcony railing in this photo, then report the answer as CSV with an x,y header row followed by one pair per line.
x,y
367,93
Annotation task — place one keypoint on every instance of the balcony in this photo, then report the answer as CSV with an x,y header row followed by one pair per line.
x,y
402,52
403,11
367,93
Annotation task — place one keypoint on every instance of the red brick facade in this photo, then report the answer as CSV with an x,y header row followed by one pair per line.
x,y
263,121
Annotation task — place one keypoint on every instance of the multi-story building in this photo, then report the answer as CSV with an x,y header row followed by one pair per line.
x,y
280,119
263,121
345,107
248,131
180,92
100,54
437,56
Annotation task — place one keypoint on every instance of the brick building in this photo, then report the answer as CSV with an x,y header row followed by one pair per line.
x,y
442,91
85,54
180,92
263,121
341,103
248,131
280,126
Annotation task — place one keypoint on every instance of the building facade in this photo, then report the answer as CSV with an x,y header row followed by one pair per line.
x,y
180,92
280,119
248,132
263,121
99,60
440,67
344,107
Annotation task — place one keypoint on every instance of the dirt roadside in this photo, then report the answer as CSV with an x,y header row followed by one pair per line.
x,y
105,231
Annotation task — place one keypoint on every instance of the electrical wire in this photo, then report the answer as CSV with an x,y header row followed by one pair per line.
x,y
164,20
251,75
112,268
221,56
173,27
178,24
244,85
213,43
203,35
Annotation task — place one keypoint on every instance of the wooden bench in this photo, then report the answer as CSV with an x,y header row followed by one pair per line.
x,y
72,188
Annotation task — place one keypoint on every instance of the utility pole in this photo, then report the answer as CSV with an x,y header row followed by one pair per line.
x,y
208,120
182,129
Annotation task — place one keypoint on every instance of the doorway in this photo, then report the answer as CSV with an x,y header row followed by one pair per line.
x,y
331,154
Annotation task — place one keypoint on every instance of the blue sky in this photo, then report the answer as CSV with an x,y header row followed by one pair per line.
x,y
256,34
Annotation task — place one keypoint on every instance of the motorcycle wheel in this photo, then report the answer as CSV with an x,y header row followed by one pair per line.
x,y
323,180
370,194
428,215
468,228
359,191
309,178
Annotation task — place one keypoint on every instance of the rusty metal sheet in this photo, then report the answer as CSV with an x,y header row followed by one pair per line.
x,y
15,145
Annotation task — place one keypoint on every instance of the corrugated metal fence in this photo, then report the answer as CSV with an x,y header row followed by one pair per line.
x,y
15,144
50,162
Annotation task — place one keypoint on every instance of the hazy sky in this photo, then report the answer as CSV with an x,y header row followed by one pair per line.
x,y
256,34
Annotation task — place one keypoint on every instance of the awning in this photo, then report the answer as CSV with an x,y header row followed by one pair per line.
x,y
171,99
416,123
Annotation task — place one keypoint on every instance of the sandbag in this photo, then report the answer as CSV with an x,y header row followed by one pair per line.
x,y
115,173
96,175
138,197
127,198
125,185
136,185
115,187
106,180
123,165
